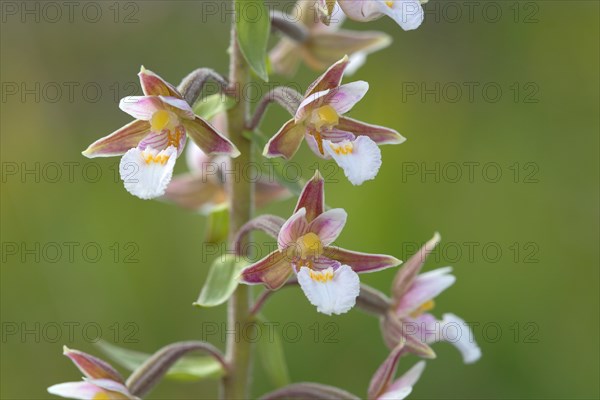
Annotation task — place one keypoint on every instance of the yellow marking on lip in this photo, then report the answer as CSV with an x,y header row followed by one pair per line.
x,y
175,138
344,149
150,158
321,276
390,4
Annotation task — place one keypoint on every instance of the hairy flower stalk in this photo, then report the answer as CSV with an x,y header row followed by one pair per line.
x,y
236,383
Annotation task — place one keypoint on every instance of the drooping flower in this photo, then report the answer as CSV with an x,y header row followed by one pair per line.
x,y
151,144
384,387
327,274
412,298
204,187
407,13
101,381
323,45
320,120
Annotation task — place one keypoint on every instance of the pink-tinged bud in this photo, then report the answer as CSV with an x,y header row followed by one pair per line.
x,y
92,367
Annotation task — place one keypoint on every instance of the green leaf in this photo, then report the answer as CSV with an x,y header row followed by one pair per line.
x,y
209,106
217,229
270,352
253,24
222,280
190,368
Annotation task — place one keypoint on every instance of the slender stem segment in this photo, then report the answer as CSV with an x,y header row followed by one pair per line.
x,y
241,192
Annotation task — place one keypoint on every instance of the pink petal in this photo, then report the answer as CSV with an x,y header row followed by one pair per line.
x,y
293,228
162,140
154,85
76,390
312,197
329,225
114,388
324,263
286,142
208,139
273,270
378,134
342,99
180,106
407,274
395,330
409,378
141,107
385,373
424,288
120,141
361,262
91,366
330,79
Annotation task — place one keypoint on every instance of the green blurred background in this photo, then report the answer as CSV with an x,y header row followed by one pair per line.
x,y
542,291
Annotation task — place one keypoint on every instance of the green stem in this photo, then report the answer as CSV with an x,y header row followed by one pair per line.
x,y
241,192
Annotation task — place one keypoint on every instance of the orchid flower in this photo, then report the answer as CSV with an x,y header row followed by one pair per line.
x,y
101,381
326,274
324,44
151,144
383,386
352,144
412,298
204,188
407,13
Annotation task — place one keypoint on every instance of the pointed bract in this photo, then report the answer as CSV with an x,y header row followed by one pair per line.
x,y
92,367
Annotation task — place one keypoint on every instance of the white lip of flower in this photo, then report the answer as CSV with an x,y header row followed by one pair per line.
x,y
457,332
360,159
408,14
146,173
331,291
